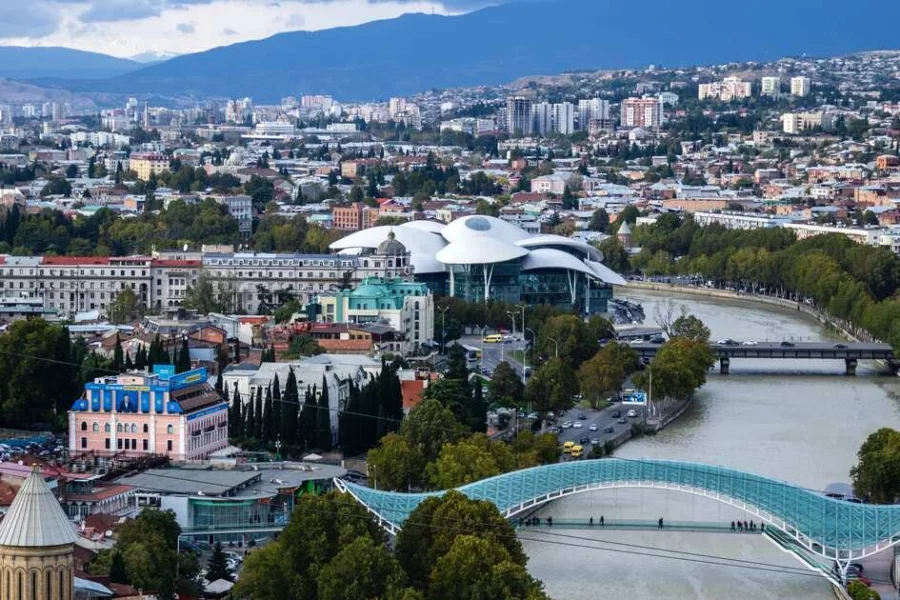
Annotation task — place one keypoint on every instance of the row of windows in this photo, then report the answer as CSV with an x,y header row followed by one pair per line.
x,y
17,581
280,263
122,428
126,444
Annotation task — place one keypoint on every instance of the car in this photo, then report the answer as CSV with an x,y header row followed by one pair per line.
x,y
749,343
566,424
616,414
621,421
841,346
584,440
631,414
595,441
567,447
609,429
593,427
657,340
726,342
582,417
577,424
787,344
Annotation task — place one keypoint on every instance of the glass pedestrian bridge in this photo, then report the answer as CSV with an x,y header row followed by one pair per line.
x,y
823,526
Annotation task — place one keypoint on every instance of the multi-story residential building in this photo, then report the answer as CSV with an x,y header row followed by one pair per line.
x,y
241,208
543,118
149,163
869,237
739,220
588,110
519,116
730,88
564,118
406,307
800,86
644,112
796,123
179,416
770,86
71,284
354,217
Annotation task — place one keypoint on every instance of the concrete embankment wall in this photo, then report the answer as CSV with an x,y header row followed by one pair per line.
x,y
784,303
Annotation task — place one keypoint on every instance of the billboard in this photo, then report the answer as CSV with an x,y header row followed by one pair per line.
x,y
164,371
188,378
634,398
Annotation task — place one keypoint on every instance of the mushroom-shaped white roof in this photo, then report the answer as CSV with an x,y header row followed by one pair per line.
x,y
606,274
35,519
432,226
482,225
422,245
549,239
479,250
550,258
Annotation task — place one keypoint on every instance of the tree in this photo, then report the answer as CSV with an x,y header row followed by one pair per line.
x,y
476,568
117,573
396,464
629,215
567,335
599,221
876,476
471,459
506,387
614,255
323,419
266,576
606,371
124,308
201,296
857,590
679,369
184,357
691,328
362,570
552,387
118,354
217,567
429,426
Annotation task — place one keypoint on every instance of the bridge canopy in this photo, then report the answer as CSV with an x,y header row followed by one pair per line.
x,y
825,526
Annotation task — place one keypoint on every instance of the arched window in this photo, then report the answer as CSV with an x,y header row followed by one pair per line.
x,y
34,585
133,428
62,583
48,591
170,429
146,428
84,425
119,427
21,585
95,427
106,428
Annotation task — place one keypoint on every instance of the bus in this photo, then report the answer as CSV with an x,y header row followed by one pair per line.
x,y
494,338
473,356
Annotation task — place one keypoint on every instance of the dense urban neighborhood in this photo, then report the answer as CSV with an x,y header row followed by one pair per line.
x,y
246,347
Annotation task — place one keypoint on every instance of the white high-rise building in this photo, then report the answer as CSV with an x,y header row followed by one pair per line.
x,y
564,118
646,112
770,86
595,108
730,88
800,86
543,118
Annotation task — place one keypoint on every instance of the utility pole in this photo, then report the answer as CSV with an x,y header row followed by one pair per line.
x,y
555,344
443,328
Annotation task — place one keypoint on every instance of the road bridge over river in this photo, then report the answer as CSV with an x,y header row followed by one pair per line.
x,y
850,352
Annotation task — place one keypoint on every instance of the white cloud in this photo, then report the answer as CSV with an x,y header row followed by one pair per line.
x,y
129,27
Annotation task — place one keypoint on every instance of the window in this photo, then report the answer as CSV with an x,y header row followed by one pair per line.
x,y
169,445
146,445
84,442
146,429
106,443
106,428
96,427
119,443
119,427
133,428
170,429
84,425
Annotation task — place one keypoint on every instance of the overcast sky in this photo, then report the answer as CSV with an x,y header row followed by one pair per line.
x,y
129,27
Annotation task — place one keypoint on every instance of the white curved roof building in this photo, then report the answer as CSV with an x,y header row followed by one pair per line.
x,y
479,257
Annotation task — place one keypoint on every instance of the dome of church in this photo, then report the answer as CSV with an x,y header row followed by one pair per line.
x,y
391,246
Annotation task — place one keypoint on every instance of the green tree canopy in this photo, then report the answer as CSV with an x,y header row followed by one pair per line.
x,y
470,459
506,387
876,476
552,387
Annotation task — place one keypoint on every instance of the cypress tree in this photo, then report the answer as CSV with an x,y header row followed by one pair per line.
x,y
258,412
236,420
140,358
219,382
323,420
306,434
184,358
250,421
128,364
289,408
268,418
117,573
478,421
118,358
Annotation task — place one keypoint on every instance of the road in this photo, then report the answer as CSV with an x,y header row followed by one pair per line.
x,y
494,353
601,418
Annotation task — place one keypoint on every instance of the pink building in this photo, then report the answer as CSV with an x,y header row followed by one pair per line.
x,y
180,416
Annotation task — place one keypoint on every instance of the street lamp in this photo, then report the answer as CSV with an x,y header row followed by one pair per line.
x,y
444,327
525,351
483,329
556,345
278,448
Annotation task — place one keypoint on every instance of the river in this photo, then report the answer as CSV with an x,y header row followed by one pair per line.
x,y
796,420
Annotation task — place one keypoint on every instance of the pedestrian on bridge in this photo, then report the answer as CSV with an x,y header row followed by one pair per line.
x,y
601,520
752,526
746,527
660,523
740,526
762,527
591,522
732,526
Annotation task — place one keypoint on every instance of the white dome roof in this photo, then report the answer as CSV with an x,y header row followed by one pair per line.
x,y
605,274
479,250
422,245
549,239
550,258
432,226
482,225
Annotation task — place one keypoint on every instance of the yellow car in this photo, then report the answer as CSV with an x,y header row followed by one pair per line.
x,y
567,447
577,451
494,338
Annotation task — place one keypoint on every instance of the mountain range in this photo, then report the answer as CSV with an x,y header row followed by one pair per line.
x,y
415,52
39,63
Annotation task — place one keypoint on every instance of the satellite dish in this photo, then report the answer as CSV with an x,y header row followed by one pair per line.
x,y
185,247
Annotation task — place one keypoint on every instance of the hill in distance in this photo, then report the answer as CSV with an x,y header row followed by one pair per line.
x,y
21,63
416,52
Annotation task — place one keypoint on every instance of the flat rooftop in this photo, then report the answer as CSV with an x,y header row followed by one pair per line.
x,y
247,481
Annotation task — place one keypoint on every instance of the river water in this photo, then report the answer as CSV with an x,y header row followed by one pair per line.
x,y
796,420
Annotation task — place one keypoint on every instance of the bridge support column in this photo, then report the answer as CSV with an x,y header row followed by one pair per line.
x,y
724,364
851,366
843,566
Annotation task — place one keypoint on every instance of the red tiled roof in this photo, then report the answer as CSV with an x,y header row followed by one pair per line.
x,y
412,392
75,260
100,493
161,262
2,260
